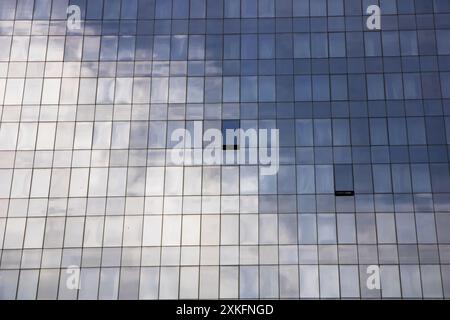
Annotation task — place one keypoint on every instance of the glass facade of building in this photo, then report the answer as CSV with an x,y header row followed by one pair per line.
x,y
87,184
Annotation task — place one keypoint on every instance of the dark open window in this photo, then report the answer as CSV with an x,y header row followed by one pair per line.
x,y
228,142
343,180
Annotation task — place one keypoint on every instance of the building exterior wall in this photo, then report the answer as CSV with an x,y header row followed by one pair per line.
x,y
89,191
